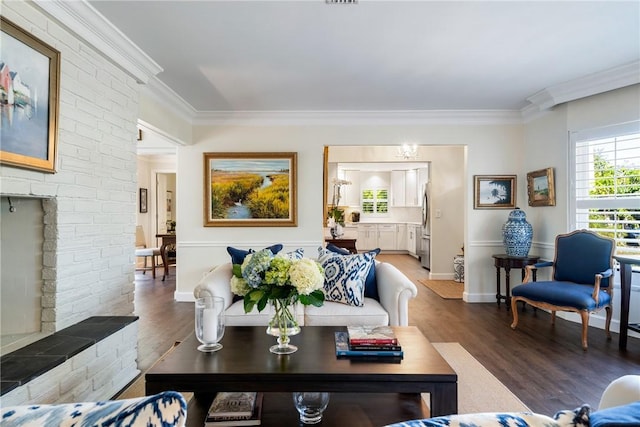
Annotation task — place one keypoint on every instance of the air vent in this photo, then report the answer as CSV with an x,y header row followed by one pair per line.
x,y
341,1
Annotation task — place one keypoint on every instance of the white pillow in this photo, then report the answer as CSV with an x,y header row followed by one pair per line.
x,y
344,276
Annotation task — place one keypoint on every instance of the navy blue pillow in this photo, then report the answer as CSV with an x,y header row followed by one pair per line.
x,y
618,416
238,255
370,283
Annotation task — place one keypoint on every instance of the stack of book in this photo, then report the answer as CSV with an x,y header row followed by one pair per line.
x,y
372,343
235,409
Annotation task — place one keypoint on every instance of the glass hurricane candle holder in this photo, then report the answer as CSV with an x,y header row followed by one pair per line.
x,y
310,405
210,323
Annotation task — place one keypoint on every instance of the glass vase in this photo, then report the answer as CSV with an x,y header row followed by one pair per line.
x,y
209,323
283,324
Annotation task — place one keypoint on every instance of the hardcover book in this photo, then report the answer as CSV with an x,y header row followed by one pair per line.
x,y
371,335
254,420
343,350
232,405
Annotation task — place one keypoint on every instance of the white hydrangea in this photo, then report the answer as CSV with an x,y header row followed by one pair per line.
x,y
306,276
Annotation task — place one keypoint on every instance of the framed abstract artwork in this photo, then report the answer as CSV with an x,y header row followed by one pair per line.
x,y
29,87
250,190
494,192
143,200
540,188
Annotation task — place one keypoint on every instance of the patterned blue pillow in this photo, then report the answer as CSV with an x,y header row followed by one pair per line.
x,y
238,255
295,255
618,416
370,283
344,276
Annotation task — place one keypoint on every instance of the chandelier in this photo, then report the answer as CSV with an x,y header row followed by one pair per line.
x,y
408,152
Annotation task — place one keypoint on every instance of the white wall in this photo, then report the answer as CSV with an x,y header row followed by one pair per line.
x,y
491,149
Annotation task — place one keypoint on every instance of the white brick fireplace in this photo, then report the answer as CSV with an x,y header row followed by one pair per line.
x,y
89,205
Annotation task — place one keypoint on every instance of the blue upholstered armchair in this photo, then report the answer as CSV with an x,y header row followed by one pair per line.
x,y
582,280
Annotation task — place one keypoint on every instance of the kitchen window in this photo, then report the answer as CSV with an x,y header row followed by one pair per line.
x,y
606,195
375,201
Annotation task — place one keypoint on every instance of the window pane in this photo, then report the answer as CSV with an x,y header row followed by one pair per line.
x,y
367,207
382,207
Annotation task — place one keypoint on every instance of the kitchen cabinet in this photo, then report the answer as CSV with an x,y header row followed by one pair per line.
x,y
351,192
367,237
398,188
401,236
411,238
387,236
412,195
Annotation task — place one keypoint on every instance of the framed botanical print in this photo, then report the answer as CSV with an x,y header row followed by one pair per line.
x,y
541,188
29,87
494,192
143,200
250,190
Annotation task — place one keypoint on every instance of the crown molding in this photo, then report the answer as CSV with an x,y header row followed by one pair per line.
x,y
165,96
592,84
354,118
88,24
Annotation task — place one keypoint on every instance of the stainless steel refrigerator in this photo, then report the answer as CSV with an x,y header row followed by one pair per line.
x,y
425,237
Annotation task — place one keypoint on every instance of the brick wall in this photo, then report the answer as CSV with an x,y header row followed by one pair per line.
x,y
89,204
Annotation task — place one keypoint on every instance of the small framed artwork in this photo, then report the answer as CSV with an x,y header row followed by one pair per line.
x,y
540,188
494,192
143,200
29,88
250,190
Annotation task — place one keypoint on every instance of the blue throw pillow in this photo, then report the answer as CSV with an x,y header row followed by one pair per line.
x,y
344,276
370,283
617,416
238,255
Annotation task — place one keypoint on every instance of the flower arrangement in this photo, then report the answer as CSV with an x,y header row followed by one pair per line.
x,y
264,277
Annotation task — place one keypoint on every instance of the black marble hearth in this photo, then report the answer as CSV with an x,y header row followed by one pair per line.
x,y
21,366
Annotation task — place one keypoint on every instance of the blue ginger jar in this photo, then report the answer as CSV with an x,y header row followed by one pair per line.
x,y
517,234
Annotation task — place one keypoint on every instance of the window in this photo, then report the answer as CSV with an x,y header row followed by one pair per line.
x,y
375,201
606,196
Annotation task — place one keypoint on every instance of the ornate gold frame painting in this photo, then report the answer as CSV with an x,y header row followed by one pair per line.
x,y
250,190
540,188
29,87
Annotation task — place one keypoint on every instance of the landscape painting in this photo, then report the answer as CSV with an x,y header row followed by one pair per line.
x,y
495,192
29,85
250,190
540,188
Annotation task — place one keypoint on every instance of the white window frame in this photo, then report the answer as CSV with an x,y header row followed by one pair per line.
x,y
375,190
614,131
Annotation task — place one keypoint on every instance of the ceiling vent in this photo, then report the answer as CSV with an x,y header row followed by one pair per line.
x,y
341,1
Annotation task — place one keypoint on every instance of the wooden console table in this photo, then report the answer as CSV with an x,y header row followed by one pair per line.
x,y
626,262
168,241
348,244
508,262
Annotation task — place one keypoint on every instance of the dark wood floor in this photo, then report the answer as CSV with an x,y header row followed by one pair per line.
x,y
543,365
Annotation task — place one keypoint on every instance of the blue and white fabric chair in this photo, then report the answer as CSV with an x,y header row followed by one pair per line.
x,y
582,280
166,409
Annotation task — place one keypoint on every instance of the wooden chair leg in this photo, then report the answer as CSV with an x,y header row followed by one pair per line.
x,y
153,266
514,311
553,317
608,322
585,327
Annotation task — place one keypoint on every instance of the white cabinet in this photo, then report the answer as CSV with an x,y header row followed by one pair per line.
x,y
412,195
411,239
367,237
387,236
351,192
397,188
401,236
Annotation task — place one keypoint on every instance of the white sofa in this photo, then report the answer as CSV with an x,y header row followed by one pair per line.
x,y
394,288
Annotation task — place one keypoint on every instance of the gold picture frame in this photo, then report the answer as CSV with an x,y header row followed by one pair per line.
x,y
29,96
494,192
541,188
250,190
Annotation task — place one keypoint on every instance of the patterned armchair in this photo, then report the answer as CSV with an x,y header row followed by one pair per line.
x,y
581,280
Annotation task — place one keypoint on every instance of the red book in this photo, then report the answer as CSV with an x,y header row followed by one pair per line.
x,y
371,335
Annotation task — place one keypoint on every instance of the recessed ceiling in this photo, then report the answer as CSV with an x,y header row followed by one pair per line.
x,y
375,55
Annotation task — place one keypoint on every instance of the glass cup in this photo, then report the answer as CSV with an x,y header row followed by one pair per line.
x,y
310,405
209,323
